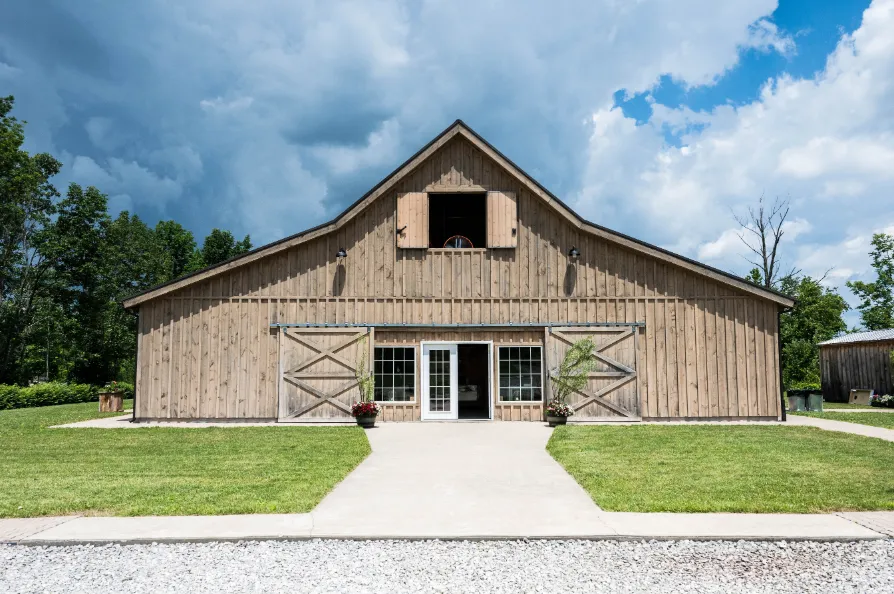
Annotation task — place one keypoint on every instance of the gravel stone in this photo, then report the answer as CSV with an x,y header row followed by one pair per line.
x,y
321,566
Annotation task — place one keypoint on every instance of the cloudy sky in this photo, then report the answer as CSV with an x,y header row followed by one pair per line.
x,y
659,119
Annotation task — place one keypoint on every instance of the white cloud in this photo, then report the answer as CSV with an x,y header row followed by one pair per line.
x,y
826,142
732,242
729,242
765,36
854,156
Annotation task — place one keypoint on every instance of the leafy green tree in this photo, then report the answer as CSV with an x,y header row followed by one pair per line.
x,y
877,298
815,317
26,208
175,250
218,246
755,276
78,249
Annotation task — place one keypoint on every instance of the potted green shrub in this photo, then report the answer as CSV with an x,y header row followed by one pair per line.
x,y
111,398
570,377
366,409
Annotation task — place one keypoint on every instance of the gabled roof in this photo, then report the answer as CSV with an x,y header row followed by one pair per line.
x,y
459,128
871,336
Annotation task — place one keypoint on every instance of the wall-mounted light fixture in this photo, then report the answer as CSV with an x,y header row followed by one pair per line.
x,y
341,253
574,253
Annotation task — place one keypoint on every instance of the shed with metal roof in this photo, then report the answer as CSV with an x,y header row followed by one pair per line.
x,y
860,360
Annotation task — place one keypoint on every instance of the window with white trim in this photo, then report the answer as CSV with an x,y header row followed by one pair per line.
x,y
521,379
395,373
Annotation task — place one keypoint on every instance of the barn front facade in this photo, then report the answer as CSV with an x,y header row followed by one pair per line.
x,y
460,282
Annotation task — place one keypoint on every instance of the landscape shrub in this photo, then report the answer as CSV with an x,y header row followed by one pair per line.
x,y
45,394
812,386
884,401
127,389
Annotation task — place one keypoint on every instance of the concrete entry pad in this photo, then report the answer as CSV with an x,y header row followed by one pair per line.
x,y
472,479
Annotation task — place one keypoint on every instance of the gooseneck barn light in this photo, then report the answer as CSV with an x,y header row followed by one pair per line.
x,y
341,253
574,253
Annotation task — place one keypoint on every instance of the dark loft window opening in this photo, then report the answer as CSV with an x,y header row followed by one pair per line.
x,y
457,220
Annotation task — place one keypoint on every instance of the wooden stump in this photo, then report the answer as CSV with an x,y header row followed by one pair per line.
x,y
111,401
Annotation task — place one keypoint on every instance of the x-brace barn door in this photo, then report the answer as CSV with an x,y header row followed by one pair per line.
x,y
318,369
612,389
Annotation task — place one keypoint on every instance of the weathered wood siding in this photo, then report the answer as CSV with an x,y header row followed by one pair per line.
x,y
707,349
856,366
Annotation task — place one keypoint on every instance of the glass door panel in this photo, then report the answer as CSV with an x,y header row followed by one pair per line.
x,y
439,376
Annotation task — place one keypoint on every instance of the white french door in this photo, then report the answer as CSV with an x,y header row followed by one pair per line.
x,y
440,395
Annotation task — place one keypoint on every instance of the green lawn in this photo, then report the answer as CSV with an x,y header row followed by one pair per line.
x,y
165,471
673,468
885,420
839,405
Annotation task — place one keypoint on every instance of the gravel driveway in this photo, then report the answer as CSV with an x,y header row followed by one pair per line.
x,y
433,566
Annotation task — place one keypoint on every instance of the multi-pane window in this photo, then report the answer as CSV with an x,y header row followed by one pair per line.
x,y
439,380
395,373
520,374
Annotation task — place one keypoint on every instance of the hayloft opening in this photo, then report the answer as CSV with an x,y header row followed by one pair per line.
x,y
457,220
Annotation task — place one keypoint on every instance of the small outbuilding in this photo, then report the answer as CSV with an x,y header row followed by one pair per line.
x,y
461,282
859,361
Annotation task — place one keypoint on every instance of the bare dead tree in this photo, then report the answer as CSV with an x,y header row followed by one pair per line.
x,y
762,230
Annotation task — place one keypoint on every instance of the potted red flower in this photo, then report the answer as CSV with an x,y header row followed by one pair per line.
x,y
366,410
365,413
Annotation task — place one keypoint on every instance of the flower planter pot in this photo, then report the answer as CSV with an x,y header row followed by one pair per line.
x,y
111,402
366,421
553,421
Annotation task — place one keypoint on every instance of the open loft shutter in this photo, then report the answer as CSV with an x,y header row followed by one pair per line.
x,y
502,220
412,220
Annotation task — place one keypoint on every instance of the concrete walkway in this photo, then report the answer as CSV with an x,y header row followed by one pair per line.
x,y
461,479
454,481
842,426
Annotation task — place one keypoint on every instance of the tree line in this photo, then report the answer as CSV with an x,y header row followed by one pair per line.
x,y
66,264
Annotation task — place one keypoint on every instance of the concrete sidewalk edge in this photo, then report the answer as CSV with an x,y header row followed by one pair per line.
x,y
72,531
607,537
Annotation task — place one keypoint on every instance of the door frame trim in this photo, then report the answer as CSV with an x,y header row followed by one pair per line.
x,y
490,374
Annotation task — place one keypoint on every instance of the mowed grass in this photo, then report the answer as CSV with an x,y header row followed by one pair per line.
x,y
166,471
845,405
876,419
654,468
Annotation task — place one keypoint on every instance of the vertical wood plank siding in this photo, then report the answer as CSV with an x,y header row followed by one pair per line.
x,y
858,366
707,349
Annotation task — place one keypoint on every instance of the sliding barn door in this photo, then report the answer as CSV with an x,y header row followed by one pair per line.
x,y
318,372
611,389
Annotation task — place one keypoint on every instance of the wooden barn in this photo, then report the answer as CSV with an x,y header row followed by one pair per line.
x,y
463,281
860,361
